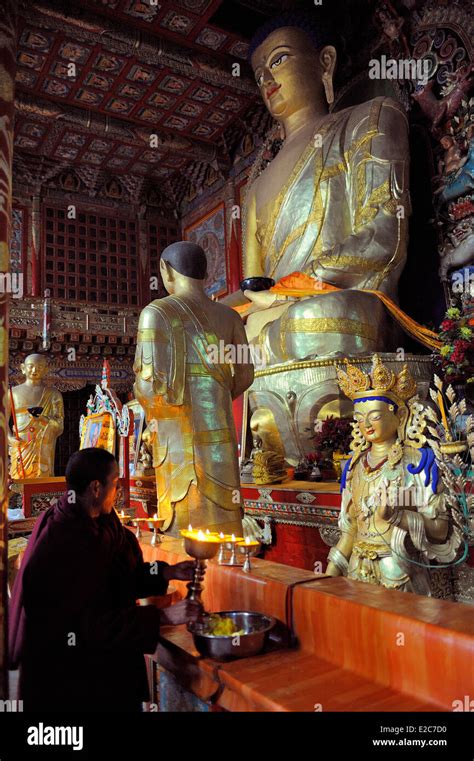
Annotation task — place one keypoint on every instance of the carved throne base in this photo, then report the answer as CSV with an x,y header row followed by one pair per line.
x,y
285,400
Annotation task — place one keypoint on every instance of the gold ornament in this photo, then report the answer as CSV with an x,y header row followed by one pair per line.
x,y
396,453
328,88
382,381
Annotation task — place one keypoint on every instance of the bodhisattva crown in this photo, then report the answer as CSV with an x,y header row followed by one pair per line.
x,y
380,382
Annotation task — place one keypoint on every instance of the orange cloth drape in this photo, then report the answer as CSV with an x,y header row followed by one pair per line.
x,y
299,285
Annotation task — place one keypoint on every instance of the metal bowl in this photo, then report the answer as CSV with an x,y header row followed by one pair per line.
x,y
256,628
257,284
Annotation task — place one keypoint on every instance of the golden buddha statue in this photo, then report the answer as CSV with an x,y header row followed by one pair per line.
x,y
394,519
186,388
38,420
327,219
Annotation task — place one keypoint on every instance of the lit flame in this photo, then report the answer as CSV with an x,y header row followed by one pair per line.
x,y
190,528
221,535
233,537
247,540
201,536
207,531
155,517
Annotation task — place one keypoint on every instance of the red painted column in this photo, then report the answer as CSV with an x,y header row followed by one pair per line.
x,y
7,90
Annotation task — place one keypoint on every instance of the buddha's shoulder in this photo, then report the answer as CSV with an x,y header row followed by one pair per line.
x,y
55,393
372,114
155,311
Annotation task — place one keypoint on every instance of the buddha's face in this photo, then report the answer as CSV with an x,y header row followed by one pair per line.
x,y
34,368
378,421
288,71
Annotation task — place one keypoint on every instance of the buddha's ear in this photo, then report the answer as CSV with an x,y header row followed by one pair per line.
x,y
167,269
328,59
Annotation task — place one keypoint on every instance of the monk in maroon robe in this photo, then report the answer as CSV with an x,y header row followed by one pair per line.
x,y
76,631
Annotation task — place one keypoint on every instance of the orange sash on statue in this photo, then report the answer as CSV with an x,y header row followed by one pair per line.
x,y
300,285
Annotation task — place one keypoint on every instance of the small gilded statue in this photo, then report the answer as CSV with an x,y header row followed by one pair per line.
x,y
145,462
38,419
394,519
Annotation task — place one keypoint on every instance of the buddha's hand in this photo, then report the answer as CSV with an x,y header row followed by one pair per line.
x,y
260,300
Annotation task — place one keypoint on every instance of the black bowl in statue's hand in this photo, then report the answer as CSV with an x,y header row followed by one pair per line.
x,y
257,284
35,411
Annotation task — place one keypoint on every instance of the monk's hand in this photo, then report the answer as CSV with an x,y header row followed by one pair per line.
x,y
183,571
260,300
181,613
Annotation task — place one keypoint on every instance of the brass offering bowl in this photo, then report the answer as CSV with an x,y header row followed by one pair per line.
x,y
249,547
138,524
200,546
256,628
154,524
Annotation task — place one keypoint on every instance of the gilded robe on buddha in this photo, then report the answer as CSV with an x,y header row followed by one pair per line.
x,y
342,218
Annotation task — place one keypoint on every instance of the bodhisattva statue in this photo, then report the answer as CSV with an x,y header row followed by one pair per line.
x,y
394,519
327,219
39,414
186,388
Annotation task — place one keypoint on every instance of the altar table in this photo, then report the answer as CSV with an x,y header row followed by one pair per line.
x,y
359,647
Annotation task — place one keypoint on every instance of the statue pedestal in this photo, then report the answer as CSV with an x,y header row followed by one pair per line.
x,y
285,400
303,517
38,492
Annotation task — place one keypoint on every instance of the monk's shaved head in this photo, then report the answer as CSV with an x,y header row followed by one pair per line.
x,y
186,258
86,465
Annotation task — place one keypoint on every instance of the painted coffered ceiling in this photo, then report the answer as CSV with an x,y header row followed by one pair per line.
x,y
136,89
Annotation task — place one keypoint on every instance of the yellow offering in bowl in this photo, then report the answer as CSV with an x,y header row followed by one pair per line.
x,y
222,626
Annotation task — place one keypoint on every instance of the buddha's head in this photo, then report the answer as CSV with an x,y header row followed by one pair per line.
x,y
379,419
35,368
180,262
379,397
289,56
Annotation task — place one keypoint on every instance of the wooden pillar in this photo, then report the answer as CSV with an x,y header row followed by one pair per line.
x,y
8,23
36,245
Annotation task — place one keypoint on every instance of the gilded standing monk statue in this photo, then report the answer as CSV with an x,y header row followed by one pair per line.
x,y
187,375
39,416
394,517
327,219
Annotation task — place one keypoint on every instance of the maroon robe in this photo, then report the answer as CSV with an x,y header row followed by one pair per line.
x,y
75,626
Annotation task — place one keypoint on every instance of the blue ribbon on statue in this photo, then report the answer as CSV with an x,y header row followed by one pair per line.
x,y
344,473
385,399
429,466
